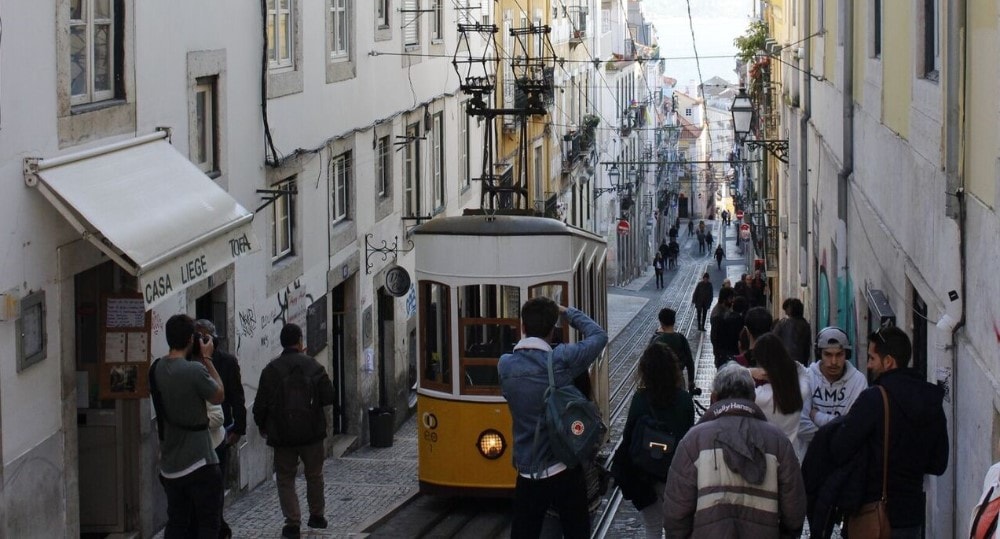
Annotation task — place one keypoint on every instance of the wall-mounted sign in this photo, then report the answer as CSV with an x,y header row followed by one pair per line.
x,y
397,281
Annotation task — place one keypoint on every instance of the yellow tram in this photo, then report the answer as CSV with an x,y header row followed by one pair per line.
x,y
473,273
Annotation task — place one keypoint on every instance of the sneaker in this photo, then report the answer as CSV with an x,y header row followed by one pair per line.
x,y
290,531
316,521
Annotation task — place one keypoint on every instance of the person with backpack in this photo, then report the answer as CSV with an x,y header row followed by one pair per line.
x,y
677,342
543,478
660,414
288,411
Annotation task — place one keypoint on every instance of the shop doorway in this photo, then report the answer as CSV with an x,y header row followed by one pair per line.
x,y
385,325
108,448
213,306
338,354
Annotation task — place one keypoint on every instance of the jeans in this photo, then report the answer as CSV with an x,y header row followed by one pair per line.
x,y
566,491
702,314
659,278
286,464
196,497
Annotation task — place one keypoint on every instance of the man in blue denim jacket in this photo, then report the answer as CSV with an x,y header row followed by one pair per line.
x,y
542,479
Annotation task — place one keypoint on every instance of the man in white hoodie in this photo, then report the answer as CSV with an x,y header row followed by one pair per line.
x,y
834,383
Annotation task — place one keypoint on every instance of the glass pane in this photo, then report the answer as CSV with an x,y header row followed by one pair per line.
x,y
341,33
201,148
283,37
76,9
102,57
102,9
434,311
78,60
270,40
284,5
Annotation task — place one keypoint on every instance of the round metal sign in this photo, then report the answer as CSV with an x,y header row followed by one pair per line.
x,y
397,281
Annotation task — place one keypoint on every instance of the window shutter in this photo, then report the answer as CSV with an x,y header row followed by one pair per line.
x,y
411,23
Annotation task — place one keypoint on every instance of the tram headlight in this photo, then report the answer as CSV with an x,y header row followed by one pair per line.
x,y
491,444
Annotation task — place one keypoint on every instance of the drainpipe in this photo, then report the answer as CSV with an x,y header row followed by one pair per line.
x,y
806,103
955,202
847,143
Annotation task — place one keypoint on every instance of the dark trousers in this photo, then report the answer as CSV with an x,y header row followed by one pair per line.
x,y
565,491
196,497
702,314
286,464
659,278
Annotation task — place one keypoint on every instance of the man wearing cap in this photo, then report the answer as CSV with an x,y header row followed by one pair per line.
x,y
833,382
233,407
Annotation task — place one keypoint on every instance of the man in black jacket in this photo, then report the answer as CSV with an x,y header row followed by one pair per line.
x,y
233,408
287,383
918,435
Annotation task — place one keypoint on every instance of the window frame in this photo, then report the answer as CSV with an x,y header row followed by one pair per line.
x,y
382,10
487,310
89,22
383,166
464,146
206,129
283,211
340,188
424,290
274,62
929,60
437,21
411,24
411,168
343,7
438,160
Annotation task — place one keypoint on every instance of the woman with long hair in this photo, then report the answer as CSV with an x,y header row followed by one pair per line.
x,y
661,396
783,386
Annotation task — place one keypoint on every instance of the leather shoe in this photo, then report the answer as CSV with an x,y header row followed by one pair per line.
x,y
316,521
290,531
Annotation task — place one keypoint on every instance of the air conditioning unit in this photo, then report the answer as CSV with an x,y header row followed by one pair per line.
x,y
879,309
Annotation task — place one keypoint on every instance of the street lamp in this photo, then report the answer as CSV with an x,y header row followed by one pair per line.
x,y
614,176
742,111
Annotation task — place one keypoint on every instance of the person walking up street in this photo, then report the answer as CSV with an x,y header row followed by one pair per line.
x,y
543,480
701,241
658,269
833,381
288,410
726,327
734,474
709,239
659,400
782,388
917,432
794,331
690,227
673,251
677,342
189,467
702,299
233,407
720,254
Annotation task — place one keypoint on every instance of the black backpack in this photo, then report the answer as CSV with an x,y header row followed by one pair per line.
x,y
294,418
653,445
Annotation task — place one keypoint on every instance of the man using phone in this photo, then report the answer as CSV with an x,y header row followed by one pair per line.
x,y
189,467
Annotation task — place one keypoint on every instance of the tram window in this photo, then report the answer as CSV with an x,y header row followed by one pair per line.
x,y
435,323
557,293
489,322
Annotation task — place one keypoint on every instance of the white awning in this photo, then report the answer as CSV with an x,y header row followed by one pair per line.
x,y
148,208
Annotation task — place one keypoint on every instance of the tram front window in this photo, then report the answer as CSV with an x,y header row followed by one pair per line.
x,y
489,326
435,325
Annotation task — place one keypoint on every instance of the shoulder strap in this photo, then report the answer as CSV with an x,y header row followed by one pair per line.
x,y
552,385
885,443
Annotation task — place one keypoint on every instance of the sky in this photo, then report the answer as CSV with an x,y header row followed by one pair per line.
x,y
716,23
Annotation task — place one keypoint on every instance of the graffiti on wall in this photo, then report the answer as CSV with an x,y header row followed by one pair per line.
x,y
845,316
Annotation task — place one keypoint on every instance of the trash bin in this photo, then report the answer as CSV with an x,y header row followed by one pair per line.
x,y
381,423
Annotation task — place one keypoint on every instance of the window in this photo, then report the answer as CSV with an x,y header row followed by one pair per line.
x,y
205,132
488,326
383,167
538,180
929,59
339,27
411,165
283,221
435,326
280,44
340,190
92,50
464,146
411,23
437,20
382,13
437,147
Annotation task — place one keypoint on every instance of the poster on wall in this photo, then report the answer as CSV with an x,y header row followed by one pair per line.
x,y
124,350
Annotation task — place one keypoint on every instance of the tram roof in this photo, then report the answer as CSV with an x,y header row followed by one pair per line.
x,y
500,225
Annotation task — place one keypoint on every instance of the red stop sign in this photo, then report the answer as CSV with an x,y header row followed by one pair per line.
x,y
624,227
739,214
